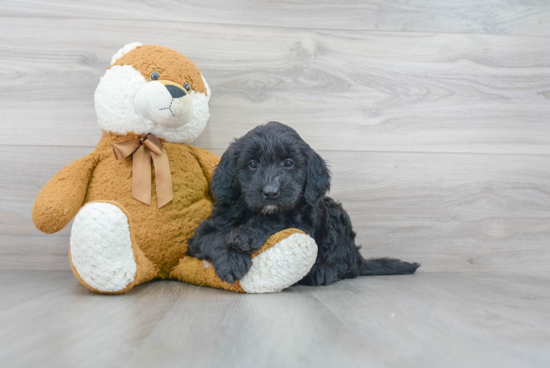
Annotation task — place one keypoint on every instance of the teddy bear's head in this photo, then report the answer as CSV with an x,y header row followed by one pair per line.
x,y
153,89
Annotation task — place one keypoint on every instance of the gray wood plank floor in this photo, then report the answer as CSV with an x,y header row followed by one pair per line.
x,y
438,142
426,320
450,212
526,17
342,90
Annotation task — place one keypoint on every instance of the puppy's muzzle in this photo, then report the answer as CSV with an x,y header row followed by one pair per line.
x,y
271,191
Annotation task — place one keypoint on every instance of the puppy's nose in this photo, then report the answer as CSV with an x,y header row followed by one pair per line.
x,y
175,91
270,192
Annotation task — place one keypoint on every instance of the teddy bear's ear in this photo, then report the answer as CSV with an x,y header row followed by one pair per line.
x,y
126,49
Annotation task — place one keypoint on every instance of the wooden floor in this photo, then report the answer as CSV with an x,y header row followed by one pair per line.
x,y
48,319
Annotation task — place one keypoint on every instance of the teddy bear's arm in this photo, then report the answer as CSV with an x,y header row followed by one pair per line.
x,y
207,160
61,198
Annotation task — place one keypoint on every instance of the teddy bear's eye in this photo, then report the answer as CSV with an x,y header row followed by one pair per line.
x,y
187,86
154,75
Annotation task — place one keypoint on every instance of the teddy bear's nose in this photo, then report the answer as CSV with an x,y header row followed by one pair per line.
x,y
175,91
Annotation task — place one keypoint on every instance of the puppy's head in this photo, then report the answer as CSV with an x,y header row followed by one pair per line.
x,y
270,169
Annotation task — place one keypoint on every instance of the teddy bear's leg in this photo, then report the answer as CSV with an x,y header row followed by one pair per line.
x,y
285,259
104,255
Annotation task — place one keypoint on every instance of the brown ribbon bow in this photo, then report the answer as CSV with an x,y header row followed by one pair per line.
x,y
143,150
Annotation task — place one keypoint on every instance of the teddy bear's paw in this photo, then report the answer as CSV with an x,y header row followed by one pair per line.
x,y
101,248
281,266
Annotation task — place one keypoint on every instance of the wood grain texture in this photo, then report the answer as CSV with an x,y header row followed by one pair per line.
x,y
527,17
450,212
426,320
343,90
438,142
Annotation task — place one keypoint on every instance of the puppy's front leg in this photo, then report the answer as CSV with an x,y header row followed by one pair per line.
x,y
250,237
209,242
230,265
243,239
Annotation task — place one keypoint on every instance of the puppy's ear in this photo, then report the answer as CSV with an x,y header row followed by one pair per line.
x,y
224,183
317,177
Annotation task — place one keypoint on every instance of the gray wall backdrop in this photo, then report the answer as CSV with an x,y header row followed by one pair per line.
x,y
435,122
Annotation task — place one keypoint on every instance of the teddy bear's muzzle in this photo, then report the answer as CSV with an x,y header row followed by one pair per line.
x,y
165,103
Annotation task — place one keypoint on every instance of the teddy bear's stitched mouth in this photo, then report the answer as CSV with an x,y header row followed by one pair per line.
x,y
169,108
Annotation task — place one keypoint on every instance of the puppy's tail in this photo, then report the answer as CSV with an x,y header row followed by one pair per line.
x,y
386,266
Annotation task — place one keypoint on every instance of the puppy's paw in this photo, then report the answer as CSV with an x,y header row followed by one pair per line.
x,y
242,240
232,265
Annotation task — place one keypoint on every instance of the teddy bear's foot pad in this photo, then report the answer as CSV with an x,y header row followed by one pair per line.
x,y
281,266
101,248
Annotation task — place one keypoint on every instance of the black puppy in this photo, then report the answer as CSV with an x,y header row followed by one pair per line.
x,y
270,180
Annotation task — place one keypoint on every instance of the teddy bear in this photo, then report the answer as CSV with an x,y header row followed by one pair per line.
x,y
140,195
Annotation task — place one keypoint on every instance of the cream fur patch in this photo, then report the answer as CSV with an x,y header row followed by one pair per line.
x,y
101,247
281,266
126,49
114,104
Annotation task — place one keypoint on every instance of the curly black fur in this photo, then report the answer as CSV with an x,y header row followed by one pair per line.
x,y
270,180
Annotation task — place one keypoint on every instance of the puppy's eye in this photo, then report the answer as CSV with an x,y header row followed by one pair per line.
x,y
154,75
288,163
253,164
187,86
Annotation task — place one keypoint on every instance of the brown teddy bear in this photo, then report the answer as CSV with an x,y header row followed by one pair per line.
x,y
140,195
